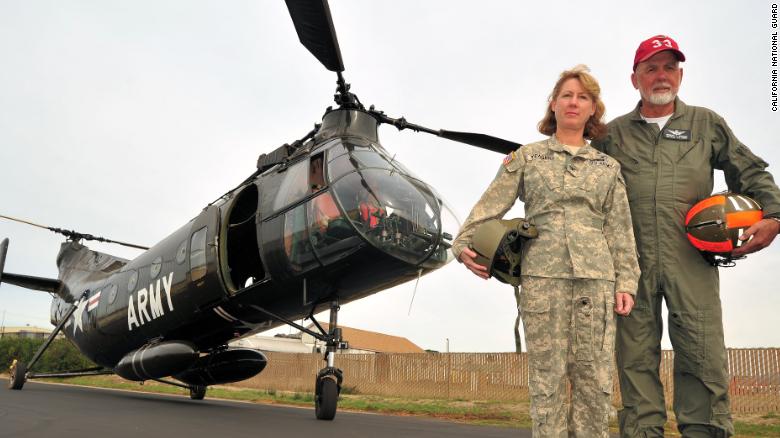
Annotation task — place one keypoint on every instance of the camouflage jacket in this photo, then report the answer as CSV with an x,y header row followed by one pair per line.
x,y
579,206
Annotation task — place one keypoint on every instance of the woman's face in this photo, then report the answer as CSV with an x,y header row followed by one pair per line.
x,y
573,106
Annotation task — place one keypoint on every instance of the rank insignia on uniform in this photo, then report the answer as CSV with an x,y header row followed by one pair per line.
x,y
508,159
677,134
601,162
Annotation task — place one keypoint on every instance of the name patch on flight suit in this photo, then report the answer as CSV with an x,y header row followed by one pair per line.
x,y
540,157
677,134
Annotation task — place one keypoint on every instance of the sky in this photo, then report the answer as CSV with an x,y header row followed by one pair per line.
x,y
124,119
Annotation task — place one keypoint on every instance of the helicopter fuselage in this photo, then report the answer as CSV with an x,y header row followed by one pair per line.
x,y
336,221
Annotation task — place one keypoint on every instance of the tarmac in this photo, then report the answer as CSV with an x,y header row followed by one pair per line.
x,y
42,410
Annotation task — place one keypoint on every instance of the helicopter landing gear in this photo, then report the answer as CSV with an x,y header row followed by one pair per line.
x,y
326,396
19,371
17,375
328,384
197,392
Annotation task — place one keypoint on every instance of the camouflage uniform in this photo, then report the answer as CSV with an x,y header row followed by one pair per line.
x,y
667,171
585,252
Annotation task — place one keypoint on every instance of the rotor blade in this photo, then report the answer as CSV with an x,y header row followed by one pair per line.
x,y
73,235
34,283
483,141
314,25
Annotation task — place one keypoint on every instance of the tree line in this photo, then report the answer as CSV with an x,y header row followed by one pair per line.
x,y
60,356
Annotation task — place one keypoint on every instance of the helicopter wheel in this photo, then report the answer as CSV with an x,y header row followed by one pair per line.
x,y
17,376
197,392
326,399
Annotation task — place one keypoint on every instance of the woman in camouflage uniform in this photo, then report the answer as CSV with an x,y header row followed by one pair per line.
x,y
580,271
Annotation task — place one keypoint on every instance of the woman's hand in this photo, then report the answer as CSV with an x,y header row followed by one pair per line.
x,y
624,302
467,258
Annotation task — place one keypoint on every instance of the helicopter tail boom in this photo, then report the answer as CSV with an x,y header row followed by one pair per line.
x,y
26,281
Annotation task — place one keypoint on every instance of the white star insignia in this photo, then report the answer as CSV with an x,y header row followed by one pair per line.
x,y
77,315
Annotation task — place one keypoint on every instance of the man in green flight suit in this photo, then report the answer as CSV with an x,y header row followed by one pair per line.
x,y
667,151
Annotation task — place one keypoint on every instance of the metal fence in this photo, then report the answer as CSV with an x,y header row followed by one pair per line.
x,y
754,386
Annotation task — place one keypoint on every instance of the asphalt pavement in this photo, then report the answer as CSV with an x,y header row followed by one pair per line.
x,y
46,410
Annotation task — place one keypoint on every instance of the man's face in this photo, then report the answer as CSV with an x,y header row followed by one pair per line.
x,y
658,78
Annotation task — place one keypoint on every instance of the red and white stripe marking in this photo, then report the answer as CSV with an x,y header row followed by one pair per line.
x,y
93,302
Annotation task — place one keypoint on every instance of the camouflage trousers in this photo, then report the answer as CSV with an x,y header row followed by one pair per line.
x,y
570,335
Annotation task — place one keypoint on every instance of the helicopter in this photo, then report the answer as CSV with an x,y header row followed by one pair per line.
x,y
324,220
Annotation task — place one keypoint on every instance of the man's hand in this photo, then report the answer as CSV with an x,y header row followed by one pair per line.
x,y
763,233
624,302
467,258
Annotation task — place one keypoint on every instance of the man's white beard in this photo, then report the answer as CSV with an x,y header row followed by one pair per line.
x,y
661,98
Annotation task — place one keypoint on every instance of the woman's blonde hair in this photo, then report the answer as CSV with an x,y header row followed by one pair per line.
x,y
594,127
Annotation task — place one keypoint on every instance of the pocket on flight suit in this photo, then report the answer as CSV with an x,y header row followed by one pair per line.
x,y
686,333
583,328
692,172
595,181
535,313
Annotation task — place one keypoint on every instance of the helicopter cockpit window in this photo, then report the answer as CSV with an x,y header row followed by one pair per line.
x,y
449,229
294,185
198,254
296,240
369,158
331,233
340,165
397,215
347,157
317,173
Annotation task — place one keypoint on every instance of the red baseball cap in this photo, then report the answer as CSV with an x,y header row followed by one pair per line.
x,y
653,45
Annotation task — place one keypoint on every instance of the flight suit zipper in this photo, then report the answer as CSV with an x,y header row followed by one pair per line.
x,y
658,265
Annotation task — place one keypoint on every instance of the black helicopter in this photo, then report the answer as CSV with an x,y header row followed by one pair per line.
x,y
325,220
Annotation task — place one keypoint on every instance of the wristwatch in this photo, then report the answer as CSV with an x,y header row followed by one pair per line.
x,y
776,219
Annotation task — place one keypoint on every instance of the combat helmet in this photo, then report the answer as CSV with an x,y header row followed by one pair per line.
x,y
714,225
498,244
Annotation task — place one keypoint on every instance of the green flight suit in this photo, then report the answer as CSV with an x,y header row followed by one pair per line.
x,y
666,172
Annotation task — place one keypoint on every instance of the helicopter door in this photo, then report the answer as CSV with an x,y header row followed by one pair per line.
x,y
239,255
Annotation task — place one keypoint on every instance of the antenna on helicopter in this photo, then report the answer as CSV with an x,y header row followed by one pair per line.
x,y
73,235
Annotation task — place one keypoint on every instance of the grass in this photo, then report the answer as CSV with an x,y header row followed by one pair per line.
x,y
477,412
493,413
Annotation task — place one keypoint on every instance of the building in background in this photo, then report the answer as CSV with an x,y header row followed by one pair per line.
x,y
278,343
360,341
27,332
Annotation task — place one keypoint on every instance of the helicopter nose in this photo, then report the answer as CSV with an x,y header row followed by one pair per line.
x,y
398,214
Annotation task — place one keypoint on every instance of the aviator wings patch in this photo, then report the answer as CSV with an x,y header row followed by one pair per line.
x,y
677,134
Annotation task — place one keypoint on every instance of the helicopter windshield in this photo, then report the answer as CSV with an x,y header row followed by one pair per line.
x,y
397,214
